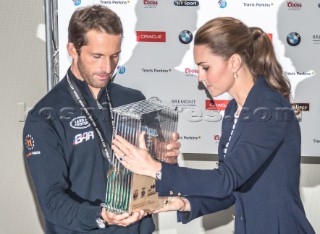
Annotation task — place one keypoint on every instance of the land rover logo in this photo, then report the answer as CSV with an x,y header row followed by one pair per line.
x,y
80,122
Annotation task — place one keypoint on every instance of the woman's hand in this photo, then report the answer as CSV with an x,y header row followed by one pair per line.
x,y
173,149
135,159
174,204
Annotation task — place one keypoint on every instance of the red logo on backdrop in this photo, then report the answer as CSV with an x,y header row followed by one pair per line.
x,y
148,36
270,36
216,104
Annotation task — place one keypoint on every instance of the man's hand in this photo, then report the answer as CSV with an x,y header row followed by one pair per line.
x,y
173,149
124,219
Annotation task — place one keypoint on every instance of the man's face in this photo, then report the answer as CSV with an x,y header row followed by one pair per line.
x,y
97,60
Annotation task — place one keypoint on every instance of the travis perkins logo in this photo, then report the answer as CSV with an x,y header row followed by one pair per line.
x,y
151,36
186,3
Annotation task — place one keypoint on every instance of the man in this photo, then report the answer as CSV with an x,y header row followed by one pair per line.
x,y
68,133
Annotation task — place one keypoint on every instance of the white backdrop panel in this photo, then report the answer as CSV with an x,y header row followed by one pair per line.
x,y
167,70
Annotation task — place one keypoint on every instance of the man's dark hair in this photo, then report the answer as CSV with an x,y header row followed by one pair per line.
x,y
96,17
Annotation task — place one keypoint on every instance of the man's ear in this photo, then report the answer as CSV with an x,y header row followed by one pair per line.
x,y
72,50
236,62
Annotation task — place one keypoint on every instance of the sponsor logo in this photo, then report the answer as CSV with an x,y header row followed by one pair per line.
x,y
86,136
135,194
80,122
193,138
152,190
76,2
115,2
293,5
185,37
192,72
149,131
301,106
216,138
222,4
293,39
32,153
316,39
149,36
186,3
156,70
184,102
121,69
257,4
143,193
297,73
216,104
29,142
150,4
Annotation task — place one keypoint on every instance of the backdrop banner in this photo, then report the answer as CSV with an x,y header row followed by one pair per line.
x,y
157,58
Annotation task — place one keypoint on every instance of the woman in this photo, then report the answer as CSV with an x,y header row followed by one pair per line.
x,y
259,149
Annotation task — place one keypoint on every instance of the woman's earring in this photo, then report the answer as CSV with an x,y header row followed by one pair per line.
x,y
235,75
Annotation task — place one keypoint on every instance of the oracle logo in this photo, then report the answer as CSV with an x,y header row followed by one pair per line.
x,y
150,36
216,104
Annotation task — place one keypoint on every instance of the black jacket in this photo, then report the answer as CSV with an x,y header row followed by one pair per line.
x,y
259,173
65,161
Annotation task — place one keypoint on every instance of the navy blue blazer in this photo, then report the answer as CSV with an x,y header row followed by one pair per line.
x,y
259,173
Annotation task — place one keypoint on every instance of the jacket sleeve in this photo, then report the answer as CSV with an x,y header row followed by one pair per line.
x,y
258,142
201,206
45,157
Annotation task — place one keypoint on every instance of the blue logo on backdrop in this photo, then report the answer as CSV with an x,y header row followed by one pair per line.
x,y
185,37
76,2
293,39
222,3
121,69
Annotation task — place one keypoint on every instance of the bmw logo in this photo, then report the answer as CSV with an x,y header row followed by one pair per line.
x,y
185,37
293,39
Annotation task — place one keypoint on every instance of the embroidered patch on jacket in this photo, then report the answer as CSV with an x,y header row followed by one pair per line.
x,y
29,143
83,137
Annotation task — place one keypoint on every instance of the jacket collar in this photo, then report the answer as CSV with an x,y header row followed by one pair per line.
x,y
249,104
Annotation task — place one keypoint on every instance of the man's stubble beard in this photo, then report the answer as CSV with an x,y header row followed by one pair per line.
x,y
87,77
